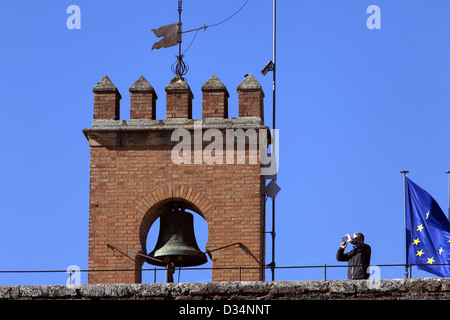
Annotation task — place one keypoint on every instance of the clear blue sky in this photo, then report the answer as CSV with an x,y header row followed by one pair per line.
x,y
354,108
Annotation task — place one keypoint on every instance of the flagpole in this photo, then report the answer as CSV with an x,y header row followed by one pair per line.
x,y
404,214
448,209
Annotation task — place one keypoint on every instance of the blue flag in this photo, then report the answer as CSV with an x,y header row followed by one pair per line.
x,y
427,232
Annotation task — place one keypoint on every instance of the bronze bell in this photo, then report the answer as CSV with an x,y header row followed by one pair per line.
x,y
176,245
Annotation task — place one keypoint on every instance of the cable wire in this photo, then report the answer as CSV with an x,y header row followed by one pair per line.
x,y
212,25
191,41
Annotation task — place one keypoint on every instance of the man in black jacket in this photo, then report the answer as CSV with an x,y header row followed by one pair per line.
x,y
358,258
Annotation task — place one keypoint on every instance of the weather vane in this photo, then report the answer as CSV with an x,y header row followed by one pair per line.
x,y
172,36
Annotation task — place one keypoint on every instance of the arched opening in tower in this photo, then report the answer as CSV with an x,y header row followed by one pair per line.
x,y
176,241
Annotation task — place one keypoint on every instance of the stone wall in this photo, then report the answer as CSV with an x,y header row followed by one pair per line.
x,y
391,289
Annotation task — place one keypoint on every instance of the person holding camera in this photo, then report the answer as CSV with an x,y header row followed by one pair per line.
x,y
358,258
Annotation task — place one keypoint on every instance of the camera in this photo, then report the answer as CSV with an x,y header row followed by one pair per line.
x,y
267,68
344,239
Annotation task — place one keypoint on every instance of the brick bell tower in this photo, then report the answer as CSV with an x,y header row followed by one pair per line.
x,y
133,176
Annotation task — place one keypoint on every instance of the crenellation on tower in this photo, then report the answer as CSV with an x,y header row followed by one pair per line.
x,y
178,99
251,98
214,99
142,100
106,100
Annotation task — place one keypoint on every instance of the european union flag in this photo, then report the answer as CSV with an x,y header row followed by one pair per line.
x,y
427,231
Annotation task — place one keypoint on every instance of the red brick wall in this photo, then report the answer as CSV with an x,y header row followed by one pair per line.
x,y
179,105
106,106
141,106
249,103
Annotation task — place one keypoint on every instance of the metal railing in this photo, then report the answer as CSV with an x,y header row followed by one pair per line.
x,y
241,269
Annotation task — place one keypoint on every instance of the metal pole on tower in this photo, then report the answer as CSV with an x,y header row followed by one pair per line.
x,y
270,66
448,209
274,125
404,212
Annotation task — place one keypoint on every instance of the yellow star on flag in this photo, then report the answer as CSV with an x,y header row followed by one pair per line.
x,y
419,228
416,241
430,260
427,214
419,253
440,250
